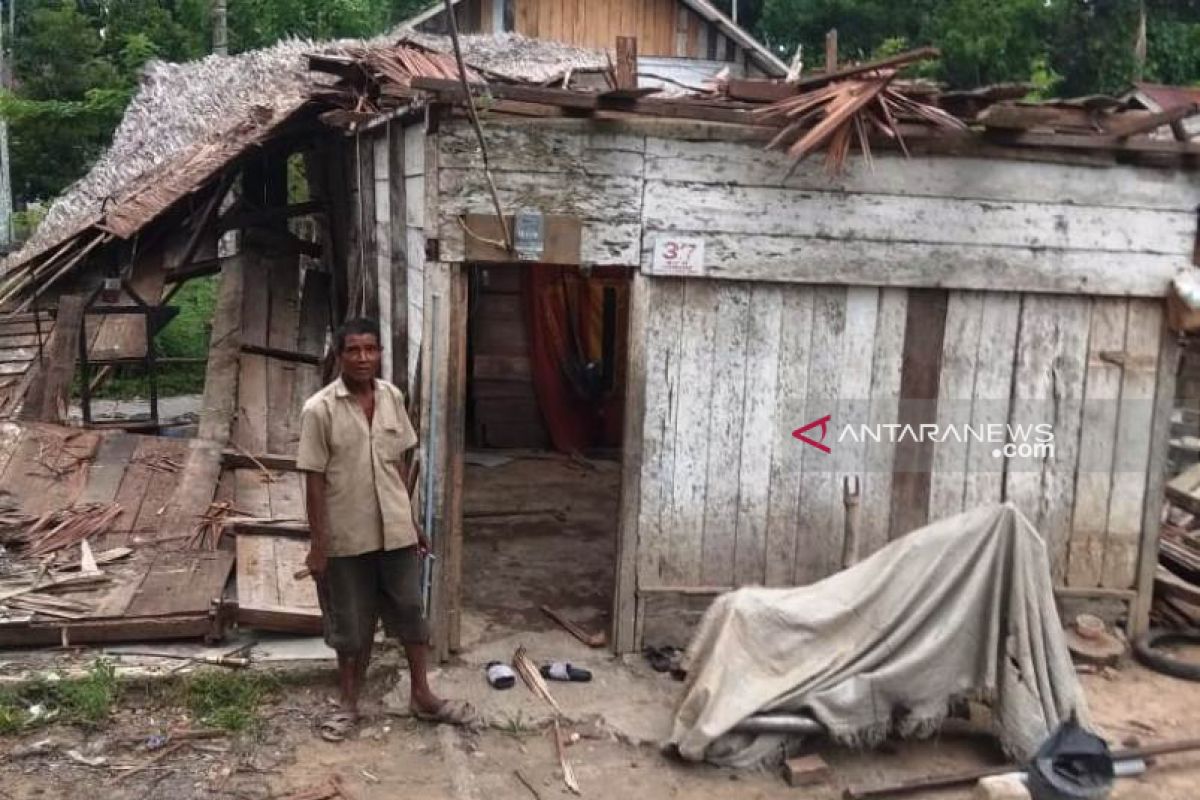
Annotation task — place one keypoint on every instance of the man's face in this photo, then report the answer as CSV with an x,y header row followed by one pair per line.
x,y
361,355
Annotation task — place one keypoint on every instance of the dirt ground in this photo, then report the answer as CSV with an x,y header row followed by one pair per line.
x,y
540,531
537,531
395,756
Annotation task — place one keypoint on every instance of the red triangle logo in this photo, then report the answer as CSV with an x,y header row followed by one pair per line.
x,y
817,443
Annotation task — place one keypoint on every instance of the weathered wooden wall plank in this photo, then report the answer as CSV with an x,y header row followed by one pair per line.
x,y
787,454
876,492
1048,389
746,164
758,425
956,387
853,406
725,432
993,389
1134,439
859,262
924,332
382,189
250,430
817,536
663,355
696,378
625,594
398,235
283,333
1098,430
765,211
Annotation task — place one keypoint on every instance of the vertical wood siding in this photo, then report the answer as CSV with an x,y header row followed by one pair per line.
x,y
730,497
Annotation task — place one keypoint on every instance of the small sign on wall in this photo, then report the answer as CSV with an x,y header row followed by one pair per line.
x,y
678,256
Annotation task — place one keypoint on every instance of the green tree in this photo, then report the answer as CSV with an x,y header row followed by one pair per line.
x,y
1072,47
77,63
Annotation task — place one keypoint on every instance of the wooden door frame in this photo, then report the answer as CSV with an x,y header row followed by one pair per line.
x,y
446,307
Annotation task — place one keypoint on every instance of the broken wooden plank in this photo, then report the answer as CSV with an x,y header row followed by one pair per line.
x,y
49,398
234,459
590,639
452,90
282,336
1184,489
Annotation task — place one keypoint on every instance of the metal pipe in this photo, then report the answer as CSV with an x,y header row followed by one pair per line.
x,y
430,451
780,723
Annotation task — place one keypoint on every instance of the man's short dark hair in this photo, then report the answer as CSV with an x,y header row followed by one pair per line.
x,y
355,327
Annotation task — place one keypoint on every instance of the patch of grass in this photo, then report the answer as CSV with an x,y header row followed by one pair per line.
x,y
228,700
517,726
86,701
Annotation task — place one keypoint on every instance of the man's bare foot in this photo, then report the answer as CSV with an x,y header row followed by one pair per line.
x,y
445,711
425,702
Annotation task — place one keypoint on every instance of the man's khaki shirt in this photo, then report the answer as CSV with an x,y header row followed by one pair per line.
x,y
369,508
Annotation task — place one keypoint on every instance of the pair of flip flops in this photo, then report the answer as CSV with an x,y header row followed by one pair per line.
x,y
666,659
502,676
564,671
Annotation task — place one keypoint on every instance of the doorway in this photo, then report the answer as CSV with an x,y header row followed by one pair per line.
x,y
546,365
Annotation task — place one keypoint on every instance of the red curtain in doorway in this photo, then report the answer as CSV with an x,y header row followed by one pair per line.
x,y
566,335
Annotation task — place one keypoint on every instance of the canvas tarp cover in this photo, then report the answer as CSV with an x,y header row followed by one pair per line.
x,y
960,609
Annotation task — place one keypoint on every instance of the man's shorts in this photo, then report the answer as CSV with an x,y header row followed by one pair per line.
x,y
359,590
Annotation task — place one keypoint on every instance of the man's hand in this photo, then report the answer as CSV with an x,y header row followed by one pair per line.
x,y
423,547
316,562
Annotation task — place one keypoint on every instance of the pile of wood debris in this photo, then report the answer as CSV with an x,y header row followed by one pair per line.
x,y
854,107
1177,581
38,566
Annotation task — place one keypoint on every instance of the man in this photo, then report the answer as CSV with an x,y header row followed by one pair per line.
x,y
366,549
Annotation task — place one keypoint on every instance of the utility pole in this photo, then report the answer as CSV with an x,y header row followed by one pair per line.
x,y
6,199
220,23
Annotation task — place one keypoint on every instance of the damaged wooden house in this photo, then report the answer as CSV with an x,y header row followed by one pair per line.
x,y
746,308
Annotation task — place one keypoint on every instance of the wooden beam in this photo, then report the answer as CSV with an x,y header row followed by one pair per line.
x,y
831,51
625,602
1123,127
562,237
759,91
892,62
564,98
197,269
626,66
342,66
221,377
282,355
200,227
1160,436
50,397
1013,116
198,483
1096,143
286,240
241,218
236,459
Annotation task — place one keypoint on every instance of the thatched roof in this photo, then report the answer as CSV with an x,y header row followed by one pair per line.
x,y
515,57
188,119
177,107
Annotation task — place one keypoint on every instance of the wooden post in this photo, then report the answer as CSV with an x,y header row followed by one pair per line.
x,y
626,68
831,51
1160,437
